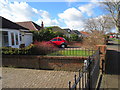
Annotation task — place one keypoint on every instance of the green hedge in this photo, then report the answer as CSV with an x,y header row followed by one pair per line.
x,y
16,51
41,49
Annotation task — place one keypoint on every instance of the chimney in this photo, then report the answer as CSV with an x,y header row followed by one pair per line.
x,y
42,25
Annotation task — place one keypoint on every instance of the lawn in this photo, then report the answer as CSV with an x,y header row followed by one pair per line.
x,y
118,40
72,53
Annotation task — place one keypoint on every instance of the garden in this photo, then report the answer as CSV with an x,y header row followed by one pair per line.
x,y
77,46
43,48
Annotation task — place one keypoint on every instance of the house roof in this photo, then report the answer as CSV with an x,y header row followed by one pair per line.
x,y
30,25
85,33
5,23
69,31
56,28
77,32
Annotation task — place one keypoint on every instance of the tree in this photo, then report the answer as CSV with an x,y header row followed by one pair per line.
x,y
75,37
46,34
102,24
97,28
43,35
113,8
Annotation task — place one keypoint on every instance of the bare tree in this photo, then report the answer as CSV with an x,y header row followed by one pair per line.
x,y
113,8
97,28
102,24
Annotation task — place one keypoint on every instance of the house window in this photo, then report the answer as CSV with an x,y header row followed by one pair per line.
x,y
16,39
4,38
12,38
20,37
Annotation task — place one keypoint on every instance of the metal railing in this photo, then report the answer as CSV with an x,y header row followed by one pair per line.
x,y
88,75
80,52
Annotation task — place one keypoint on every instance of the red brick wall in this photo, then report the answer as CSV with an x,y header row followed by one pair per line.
x,y
43,62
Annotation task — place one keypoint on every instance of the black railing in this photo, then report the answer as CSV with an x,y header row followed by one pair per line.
x,y
88,75
80,52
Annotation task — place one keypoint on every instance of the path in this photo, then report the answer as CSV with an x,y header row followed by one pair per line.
x,y
30,78
111,77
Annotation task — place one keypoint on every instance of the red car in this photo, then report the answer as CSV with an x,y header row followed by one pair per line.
x,y
59,41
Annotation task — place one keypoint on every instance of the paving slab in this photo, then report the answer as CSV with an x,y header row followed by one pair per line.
x,y
30,78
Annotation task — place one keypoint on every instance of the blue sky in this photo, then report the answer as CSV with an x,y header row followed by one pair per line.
x,y
58,7
63,14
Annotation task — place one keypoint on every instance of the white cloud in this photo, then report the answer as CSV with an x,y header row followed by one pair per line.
x,y
22,11
46,18
88,9
72,18
48,22
17,11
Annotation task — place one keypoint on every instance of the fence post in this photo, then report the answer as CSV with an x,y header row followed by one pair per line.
x,y
84,74
75,82
89,83
103,66
79,80
69,85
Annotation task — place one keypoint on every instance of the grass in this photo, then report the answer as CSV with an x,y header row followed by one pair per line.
x,y
118,40
72,53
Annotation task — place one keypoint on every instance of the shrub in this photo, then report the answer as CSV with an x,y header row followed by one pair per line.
x,y
43,35
43,48
75,37
94,38
38,48
16,51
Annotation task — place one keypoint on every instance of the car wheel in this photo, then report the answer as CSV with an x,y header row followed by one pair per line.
x,y
63,46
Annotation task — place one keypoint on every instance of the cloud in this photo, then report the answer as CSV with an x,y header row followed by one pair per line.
x,y
87,9
17,11
22,11
72,17
46,18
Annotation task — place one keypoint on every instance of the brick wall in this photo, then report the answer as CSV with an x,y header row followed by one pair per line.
x,y
103,49
43,62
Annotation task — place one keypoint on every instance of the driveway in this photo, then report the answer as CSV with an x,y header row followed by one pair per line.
x,y
31,78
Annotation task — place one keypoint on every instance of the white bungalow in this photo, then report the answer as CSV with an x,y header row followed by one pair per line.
x,y
14,35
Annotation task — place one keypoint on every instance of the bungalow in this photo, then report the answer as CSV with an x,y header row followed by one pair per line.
x,y
78,33
73,32
14,35
69,32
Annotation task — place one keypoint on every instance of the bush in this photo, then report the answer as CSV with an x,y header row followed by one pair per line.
x,y
94,38
75,37
16,51
43,35
43,48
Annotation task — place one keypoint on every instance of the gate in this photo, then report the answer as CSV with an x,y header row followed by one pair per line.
x,y
88,75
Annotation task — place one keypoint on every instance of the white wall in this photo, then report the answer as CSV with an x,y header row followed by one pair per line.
x,y
0,38
28,37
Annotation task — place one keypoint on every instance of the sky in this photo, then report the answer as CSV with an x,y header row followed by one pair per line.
x,y
66,14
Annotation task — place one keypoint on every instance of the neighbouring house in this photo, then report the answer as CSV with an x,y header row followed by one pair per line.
x,y
31,25
73,32
14,35
78,33
58,29
69,32
84,34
